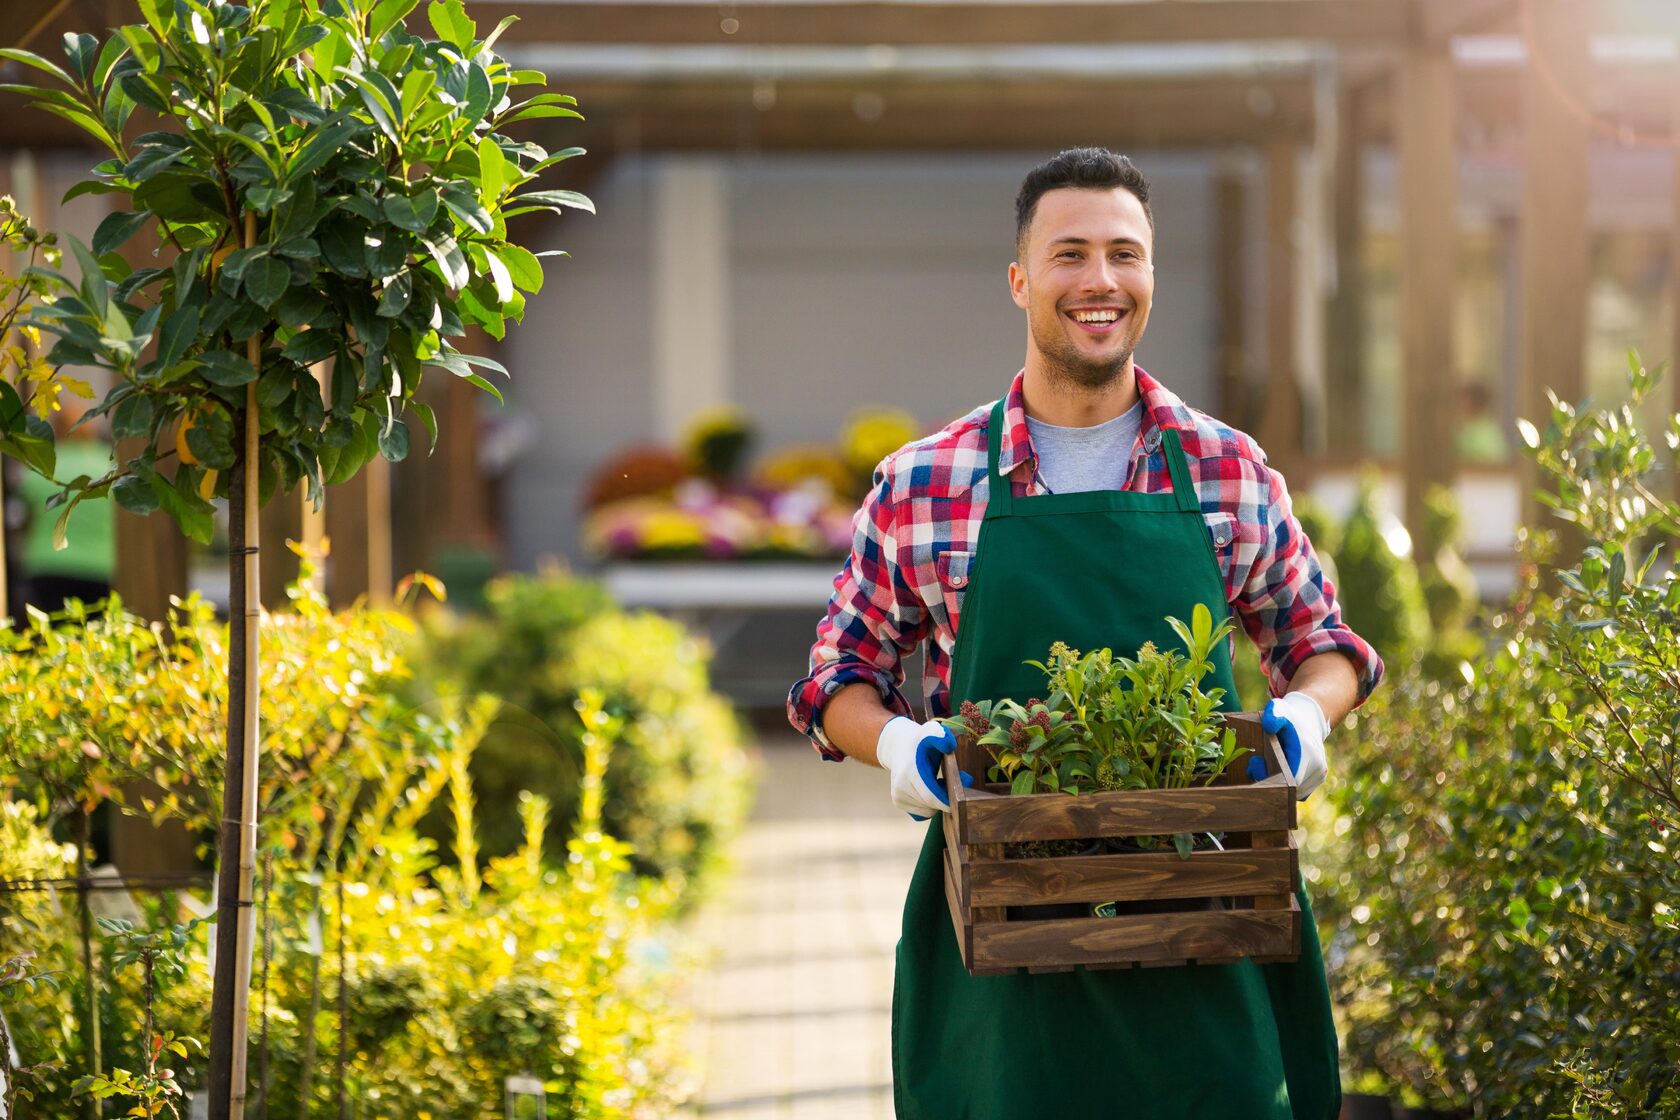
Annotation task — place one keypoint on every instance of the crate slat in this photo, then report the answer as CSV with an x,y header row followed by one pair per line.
x,y
1203,936
986,817
1126,876
965,942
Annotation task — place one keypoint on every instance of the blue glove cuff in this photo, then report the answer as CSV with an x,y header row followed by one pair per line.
x,y
1274,724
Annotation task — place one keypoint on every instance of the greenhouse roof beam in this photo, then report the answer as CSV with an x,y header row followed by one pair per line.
x,y
986,22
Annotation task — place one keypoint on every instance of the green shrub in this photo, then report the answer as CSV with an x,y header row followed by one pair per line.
x,y
439,944
1499,868
678,785
1379,592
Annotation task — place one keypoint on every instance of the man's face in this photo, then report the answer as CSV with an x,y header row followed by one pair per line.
x,y
1085,279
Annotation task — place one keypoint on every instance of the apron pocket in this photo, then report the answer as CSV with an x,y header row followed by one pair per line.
x,y
952,569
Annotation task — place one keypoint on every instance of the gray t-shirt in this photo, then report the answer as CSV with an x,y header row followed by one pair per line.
x,y
1071,460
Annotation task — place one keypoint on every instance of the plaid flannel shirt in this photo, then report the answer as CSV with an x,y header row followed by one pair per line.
x,y
917,532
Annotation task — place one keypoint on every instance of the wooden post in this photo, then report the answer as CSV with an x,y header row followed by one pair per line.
x,y
282,521
151,550
379,576
1344,381
1673,355
1428,263
1230,240
1553,259
346,524
1279,411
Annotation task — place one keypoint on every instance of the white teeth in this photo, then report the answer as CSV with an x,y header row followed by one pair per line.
x,y
1096,316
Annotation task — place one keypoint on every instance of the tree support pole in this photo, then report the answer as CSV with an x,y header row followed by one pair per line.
x,y
230,999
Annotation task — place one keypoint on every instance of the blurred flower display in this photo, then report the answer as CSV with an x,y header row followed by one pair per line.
x,y
702,503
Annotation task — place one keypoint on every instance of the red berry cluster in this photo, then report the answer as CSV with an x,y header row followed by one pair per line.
x,y
977,723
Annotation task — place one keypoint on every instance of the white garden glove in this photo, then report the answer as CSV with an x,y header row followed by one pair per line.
x,y
911,754
1299,723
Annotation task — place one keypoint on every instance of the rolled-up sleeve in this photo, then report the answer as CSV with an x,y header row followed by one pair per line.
x,y
1288,607
874,618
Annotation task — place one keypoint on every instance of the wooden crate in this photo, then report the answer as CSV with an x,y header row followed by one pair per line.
x,y
1237,903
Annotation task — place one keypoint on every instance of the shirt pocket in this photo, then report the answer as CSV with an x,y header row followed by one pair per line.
x,y
1222,530
952,569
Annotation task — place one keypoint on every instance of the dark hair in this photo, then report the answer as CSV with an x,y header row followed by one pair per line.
x,y
1092,169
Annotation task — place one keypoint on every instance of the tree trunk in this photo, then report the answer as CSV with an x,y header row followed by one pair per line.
x,y
230,999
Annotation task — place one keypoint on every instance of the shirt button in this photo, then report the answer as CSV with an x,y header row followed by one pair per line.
x,y
959,581
1152,440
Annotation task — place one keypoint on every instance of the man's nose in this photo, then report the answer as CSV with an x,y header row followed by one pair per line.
x,y
1102,277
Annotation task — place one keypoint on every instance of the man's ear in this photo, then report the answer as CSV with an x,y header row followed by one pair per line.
x,y
1018,284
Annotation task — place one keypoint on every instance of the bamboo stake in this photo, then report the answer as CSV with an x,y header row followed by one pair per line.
x,y
95,1044
230,1000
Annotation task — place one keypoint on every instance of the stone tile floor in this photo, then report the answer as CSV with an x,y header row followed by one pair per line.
x,y
794,1010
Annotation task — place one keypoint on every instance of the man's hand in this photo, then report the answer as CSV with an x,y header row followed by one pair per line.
x,y
1299,723
911,754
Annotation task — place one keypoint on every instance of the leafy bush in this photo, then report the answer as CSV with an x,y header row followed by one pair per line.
x,y
1499,865
678,785
440,950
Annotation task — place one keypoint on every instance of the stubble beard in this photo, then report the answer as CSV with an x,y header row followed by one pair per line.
x,y
1066,366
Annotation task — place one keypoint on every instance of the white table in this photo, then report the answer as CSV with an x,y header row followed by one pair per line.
x,y
719,598
722,585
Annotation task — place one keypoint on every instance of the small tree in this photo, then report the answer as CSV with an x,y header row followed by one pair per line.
x,y
322,187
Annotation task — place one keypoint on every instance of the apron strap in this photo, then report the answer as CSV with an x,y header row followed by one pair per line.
x,y
1179,468
1000,499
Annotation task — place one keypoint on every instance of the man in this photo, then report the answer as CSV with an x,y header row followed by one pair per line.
x,y
1085,506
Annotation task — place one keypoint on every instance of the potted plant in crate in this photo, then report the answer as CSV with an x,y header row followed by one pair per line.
x,y
1165,832
327,198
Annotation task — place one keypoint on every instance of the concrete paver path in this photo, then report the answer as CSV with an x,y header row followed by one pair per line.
x,y
795,1009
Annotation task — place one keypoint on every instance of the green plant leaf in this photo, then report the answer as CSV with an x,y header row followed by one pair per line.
x,y
320,148
491,165
266,280
523,266
39,63
135,495
449,19
225,369
387,14
556,198
393,441
132,417
412,214
116,228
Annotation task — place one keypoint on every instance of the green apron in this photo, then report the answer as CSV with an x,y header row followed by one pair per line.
x,y
1210,1042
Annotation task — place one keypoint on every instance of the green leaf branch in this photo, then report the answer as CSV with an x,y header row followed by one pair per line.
x,y
373,172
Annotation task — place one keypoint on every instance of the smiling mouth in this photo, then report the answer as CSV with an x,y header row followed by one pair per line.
x,y
1097,320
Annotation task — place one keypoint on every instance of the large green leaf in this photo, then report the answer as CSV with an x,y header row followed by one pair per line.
x,y
449,19
393,441
226,369
266,279
116,228
179,332
39,63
